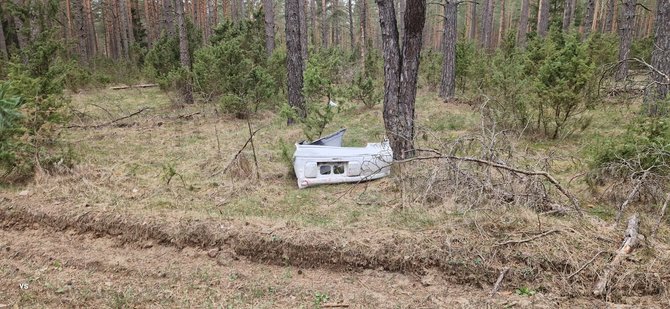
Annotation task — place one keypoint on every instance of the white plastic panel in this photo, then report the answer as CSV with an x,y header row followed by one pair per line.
x,y
310,170
353,168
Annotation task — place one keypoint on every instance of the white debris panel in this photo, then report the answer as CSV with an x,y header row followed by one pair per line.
x,y
325,161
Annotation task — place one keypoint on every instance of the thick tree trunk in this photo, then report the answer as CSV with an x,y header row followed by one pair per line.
x,y
660,57
487,25
400,72
80,31
588,18
543,18
324,25
184,54
352,39
609,16
294,62
522,32
268,10
167,17
123,19
303,33
448,82
402,6
626,37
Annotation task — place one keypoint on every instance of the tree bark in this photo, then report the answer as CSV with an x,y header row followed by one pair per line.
x,y
543,18
660,57
487,25
626,26
324,25
502,26
303,33
472,34
123,20
400,72
588,18
352,39
80,31
184,54
609,16
268,11
294,62
167,17
364,31
522,32
3,43
313,23
448,81
20,30
568,12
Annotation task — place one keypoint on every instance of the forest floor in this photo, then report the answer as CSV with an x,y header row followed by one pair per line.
x,y
148,218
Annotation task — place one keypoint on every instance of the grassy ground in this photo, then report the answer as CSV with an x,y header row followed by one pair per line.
x,y
161,172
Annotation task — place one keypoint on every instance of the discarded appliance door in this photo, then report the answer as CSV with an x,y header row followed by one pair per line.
x,y
325,161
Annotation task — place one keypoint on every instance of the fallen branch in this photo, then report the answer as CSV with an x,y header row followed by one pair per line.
x,y
134,86
630,241
97,126
551,179
660,217
327,305
496,286
632,194
526,239
249,140
584,266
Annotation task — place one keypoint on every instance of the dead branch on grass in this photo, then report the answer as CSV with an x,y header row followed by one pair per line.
x,y
509,242
239,152
97,126
660,217
630,242
134,86
496,286
632,193
585,265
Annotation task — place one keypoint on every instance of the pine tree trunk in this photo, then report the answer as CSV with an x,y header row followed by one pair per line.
x,y
20,30
448,81
401,72
626,37
472,34
294,61
80,30
324,25
303,33
543,18
364,31
502,26
268,10
588,18
568,11
184,54
609,16
123,23
352,40
402,5
486,38
131,31
522,32
313,23
660,58
3,43
167,17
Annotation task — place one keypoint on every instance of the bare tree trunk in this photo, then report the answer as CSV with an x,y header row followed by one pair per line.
x,y
568,11
3,43
402,5
448,81
609,17
472,34
501,28
588,18
20,30
324,25
80,30
543,18
268,10
294,62
313,23
123,19
660,57
486,38
626,37
303,33
400,72
184,54
364,30
352,39
522,32
167,17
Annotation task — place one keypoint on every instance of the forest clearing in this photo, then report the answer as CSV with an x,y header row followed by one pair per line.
x,y
148,154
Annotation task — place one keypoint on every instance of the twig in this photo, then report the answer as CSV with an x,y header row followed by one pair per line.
x,y
526,239
239,151
630,197
134,86
660,217
544,174
253,149
496,286
584,266
630,241
110,122
334,305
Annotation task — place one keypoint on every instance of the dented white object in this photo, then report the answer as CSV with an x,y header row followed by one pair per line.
x,y
325,161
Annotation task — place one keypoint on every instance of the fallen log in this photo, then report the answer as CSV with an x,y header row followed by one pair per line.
x,y
630,242
134,86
